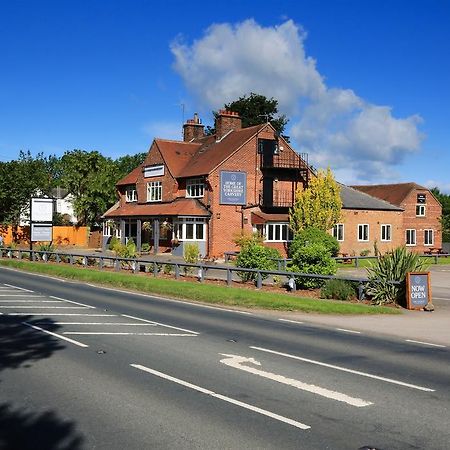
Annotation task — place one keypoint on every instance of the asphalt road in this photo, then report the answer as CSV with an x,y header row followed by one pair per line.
x,y
83,367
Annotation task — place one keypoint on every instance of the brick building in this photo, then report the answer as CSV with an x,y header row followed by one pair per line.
x,y
207,189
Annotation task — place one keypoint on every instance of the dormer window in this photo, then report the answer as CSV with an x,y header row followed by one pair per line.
x,y
131,194
195,188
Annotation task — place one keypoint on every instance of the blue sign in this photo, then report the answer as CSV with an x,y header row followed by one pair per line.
x,y
233,188
418,289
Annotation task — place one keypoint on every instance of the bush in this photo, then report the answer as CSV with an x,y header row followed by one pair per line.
x,y
145,247
392,266
365,252
314,236
113,243
338,290
314,259
254,255
191,254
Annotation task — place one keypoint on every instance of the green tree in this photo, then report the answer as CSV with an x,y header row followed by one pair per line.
x,y
126,164
444,199
255,109
318,206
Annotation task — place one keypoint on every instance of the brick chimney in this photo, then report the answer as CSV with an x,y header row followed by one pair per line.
x,y
227,121
193,129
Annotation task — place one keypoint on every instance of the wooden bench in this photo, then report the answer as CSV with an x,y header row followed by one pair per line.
x,y
434,251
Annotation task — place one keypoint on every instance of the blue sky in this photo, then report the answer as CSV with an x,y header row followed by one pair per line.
x,y
364,83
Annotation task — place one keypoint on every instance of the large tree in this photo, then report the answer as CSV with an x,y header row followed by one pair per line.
x,y
445,219
318,206
255,109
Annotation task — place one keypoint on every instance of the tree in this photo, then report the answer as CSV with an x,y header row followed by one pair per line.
x,y
255,109
125,164
319,205
444,199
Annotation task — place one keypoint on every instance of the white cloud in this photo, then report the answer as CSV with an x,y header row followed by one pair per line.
x,y
357,139
165,130
443,186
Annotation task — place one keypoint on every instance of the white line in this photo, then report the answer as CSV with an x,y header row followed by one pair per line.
x,y
80,344
59,314
99,323
158,323
17,287
46,307
348,331
264,412
290,321
425,343
21,295
29,301
344,369
441,298
71,301
101,333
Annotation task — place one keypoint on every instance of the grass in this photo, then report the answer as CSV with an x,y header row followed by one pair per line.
x,y
429,260
207,293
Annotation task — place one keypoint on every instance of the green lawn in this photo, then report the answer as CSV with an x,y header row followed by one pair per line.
x,y
429,260
203,292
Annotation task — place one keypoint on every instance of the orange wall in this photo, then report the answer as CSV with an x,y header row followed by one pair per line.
x,y
61,235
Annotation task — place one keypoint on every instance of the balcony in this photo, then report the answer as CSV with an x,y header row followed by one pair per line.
x,y
284,160
276,199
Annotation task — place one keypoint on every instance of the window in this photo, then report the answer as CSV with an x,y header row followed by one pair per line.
x,y
195,188
338,231
420,210
108,228
190,230
428,238
275,232
410,237
363,232
131,194
154,191
153,171
386,232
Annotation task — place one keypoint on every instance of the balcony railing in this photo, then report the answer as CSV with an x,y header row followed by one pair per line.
x,y
285,160
280,199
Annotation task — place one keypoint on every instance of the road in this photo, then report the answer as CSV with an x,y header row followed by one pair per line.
x,y
84,367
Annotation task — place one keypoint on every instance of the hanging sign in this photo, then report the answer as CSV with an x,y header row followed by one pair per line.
x,y
233,188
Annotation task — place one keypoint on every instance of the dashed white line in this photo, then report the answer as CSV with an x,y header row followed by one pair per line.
x,y
80,344
21,295
344,369
158,323
425,343
99,323
29,301
264,412
17,287
42,307
348,331
71,301
104,333
290,321
59,314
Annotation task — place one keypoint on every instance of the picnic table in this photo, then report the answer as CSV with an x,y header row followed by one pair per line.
x,y
434,251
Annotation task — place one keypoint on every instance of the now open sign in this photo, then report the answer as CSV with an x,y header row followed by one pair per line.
x,y
418,291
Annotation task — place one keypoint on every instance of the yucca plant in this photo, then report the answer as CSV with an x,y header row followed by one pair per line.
x,y
392,266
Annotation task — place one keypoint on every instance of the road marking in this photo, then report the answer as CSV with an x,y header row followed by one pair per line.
x,y
348,331
290,321
158,323
99,323
42,307
101,333
80,344
344,369
17,287
29,301
32,313
264,412
71,301
441,298
21,295
236,362
425,343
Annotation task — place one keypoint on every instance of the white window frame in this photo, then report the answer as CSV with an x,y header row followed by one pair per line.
x,y
154,191
421,210
387,234
131,194
180,229
154,171
412,233
361,227
195,188
338,232
279,231
426,237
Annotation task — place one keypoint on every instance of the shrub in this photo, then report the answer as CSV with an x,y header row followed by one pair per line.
x,y
145,247
314,259
113,243
338,290
314,236
167,269
392,266
46,248
191,255
254,255
365,252
244,238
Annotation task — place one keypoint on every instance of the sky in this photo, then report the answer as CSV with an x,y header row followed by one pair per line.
x,y
365,84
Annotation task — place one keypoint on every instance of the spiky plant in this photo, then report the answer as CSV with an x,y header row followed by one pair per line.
x,y
390,267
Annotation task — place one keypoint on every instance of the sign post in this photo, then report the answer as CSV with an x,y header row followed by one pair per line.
x,y
41,220
418,290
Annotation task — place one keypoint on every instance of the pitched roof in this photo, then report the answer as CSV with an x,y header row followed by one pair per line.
x,y
177,154
179,207
131,178
392,193
354,199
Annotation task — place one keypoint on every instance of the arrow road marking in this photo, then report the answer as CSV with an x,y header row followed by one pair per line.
x,y
238,361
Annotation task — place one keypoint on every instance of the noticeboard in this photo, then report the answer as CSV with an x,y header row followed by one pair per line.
x,y
418,291
233,188
41,209
41,232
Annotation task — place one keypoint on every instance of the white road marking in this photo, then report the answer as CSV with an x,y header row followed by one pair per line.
x,y
59,314
237,362
290,321
264,412
348,331
99,323
425,343
29,301
101,333
17,287
80,344
19,295
42,307
158,323
344,369
71,301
